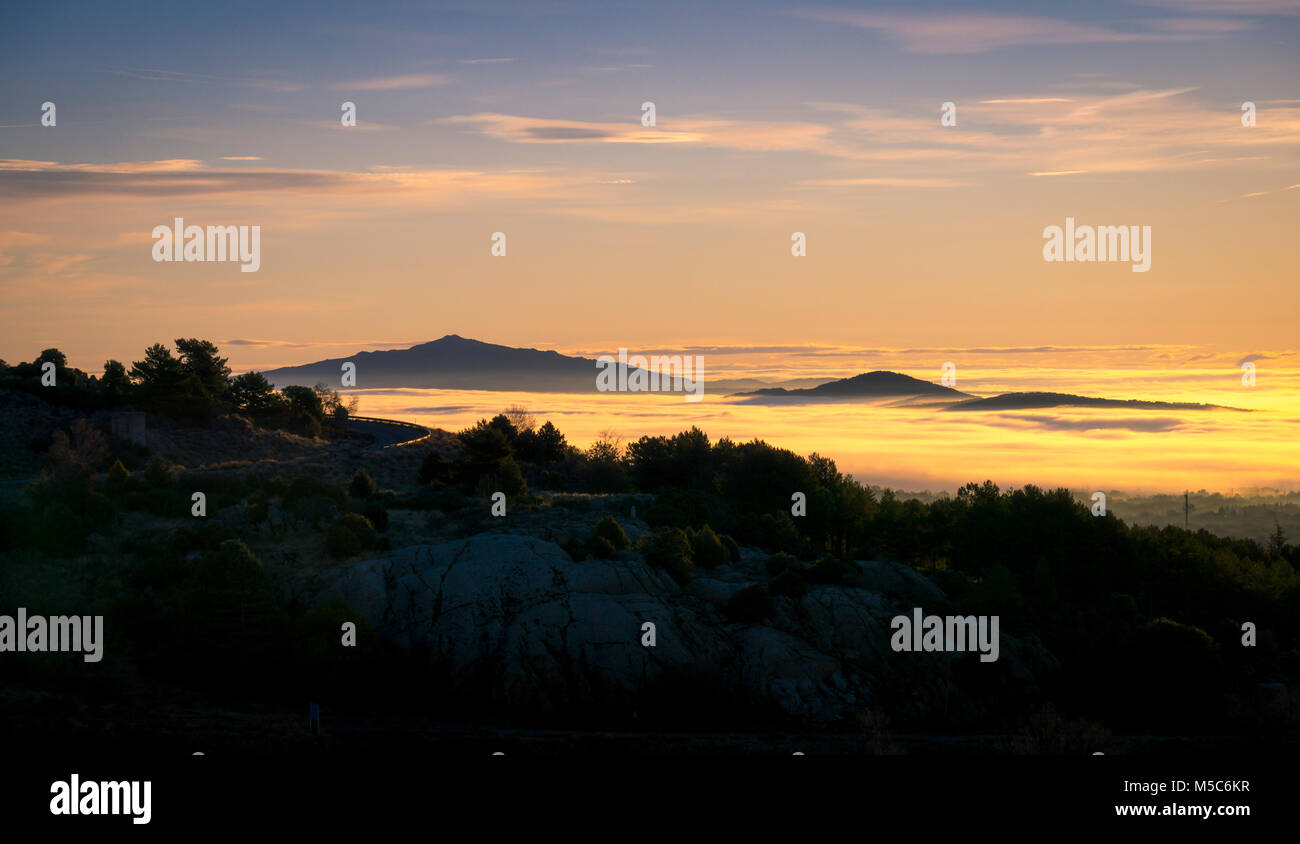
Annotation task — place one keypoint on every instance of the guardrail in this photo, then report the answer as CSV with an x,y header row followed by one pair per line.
x,y
428,432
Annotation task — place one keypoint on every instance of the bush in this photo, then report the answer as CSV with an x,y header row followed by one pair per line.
x,y
159,472
750,605
706,549
435,469
234,566
308,486
733,548
611,531
669,549
342,543
600,548
361,485
790,583
360,527
377,514
575,549
779,562
829,570
118,475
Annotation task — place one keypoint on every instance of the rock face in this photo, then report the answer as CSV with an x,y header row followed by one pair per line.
x,y
518,614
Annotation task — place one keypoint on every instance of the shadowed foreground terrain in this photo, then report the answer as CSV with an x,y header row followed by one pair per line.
x,y
500,581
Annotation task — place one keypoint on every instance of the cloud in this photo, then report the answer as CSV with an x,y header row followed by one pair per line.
x,y
1027,100
1144,424
894,182
294,344
158,75
524,130
241,158
395,83
21,179
489,61
977,32
1228,7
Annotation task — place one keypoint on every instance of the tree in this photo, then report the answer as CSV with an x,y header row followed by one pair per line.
x,y
59,359
117,385
305,408
252,393
544,446
333,406
201,361
159,375
520,418
1277,540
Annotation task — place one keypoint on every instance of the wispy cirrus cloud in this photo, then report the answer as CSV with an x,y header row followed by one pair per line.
x,y
884,181
394,83
538,130
29,180
977,32
754,136
1227,7
160,75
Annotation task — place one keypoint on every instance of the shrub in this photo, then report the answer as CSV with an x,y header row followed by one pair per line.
x,y
308,486
361,485
706,549
750,605
779,562
342,543
377,514
600,548
669,549
235,566
790,583
159,472
829,570
733,548
118,475
360,527
575,549
609,529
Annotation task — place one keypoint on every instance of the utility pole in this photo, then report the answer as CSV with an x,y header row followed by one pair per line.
x,y
1186,511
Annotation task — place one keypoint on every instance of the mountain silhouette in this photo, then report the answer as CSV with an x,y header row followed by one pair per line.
x,y
1037,400
453,362
868,385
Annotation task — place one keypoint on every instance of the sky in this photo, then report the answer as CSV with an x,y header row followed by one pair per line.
x,y
771,118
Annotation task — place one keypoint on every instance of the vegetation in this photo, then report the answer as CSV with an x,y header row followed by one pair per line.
x,y
193,384
1146,621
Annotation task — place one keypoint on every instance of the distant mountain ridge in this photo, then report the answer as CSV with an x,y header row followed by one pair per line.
x,y
452,362
1038,400
876,384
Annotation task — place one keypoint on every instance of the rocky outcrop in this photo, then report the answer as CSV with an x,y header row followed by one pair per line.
x,y
548,632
